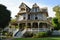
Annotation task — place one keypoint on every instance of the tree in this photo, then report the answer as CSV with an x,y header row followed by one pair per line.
x,y
56,21
56,9
13,20
4,16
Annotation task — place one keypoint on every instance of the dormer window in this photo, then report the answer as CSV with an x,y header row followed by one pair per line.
x,y
35,9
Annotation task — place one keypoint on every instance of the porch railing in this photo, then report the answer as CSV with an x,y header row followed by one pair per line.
x,y
38,29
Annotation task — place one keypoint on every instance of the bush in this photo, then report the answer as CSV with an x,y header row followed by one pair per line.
x,y
42,34
16,27
49,33
28,34
4,33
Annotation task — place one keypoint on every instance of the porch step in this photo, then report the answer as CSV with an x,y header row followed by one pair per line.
x,y
19,34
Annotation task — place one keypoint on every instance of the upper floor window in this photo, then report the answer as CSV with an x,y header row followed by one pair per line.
x,y
24,18
22,9
35,9
28,16
36,18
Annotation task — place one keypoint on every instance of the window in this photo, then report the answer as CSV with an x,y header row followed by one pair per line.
x,y
22,9
35,9
28,16
36,18
24,18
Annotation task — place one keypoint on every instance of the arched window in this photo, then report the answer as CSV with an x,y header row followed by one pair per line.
x,y
36,18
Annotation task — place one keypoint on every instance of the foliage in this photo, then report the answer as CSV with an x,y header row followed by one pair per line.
x,y
10,34
56,9
4,32
16,27
28,34
13,20
49,33
42,34
4,16
13,23
56,21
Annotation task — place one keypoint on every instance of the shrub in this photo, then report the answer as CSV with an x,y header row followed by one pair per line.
x,y
4,32
42,34
28,34
16,27
49,33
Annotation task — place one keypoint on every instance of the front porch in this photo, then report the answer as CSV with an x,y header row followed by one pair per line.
x,y
34,27
35,24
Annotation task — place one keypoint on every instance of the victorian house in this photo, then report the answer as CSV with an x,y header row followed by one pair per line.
x,y
32,18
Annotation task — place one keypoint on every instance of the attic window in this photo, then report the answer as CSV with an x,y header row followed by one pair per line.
x,y
22,9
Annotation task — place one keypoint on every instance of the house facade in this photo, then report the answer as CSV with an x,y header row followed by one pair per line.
x,y
34,17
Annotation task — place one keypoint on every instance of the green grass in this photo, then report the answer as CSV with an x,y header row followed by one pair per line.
x,y
47,38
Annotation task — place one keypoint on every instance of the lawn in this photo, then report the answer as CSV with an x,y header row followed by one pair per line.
x,y
47,38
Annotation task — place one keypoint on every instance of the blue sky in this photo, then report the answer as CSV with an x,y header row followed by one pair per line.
x,y
13,5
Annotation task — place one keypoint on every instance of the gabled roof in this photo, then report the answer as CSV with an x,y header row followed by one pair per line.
x,y
42,10
23,5
35,5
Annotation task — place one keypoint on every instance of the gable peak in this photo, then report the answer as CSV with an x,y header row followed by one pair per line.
x,y
35,5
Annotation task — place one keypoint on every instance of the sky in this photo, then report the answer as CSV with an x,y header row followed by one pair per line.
x,y
13,5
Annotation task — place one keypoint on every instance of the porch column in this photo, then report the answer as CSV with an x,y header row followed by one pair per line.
x,y
18,24
31,26
26,24
38,27
26,19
